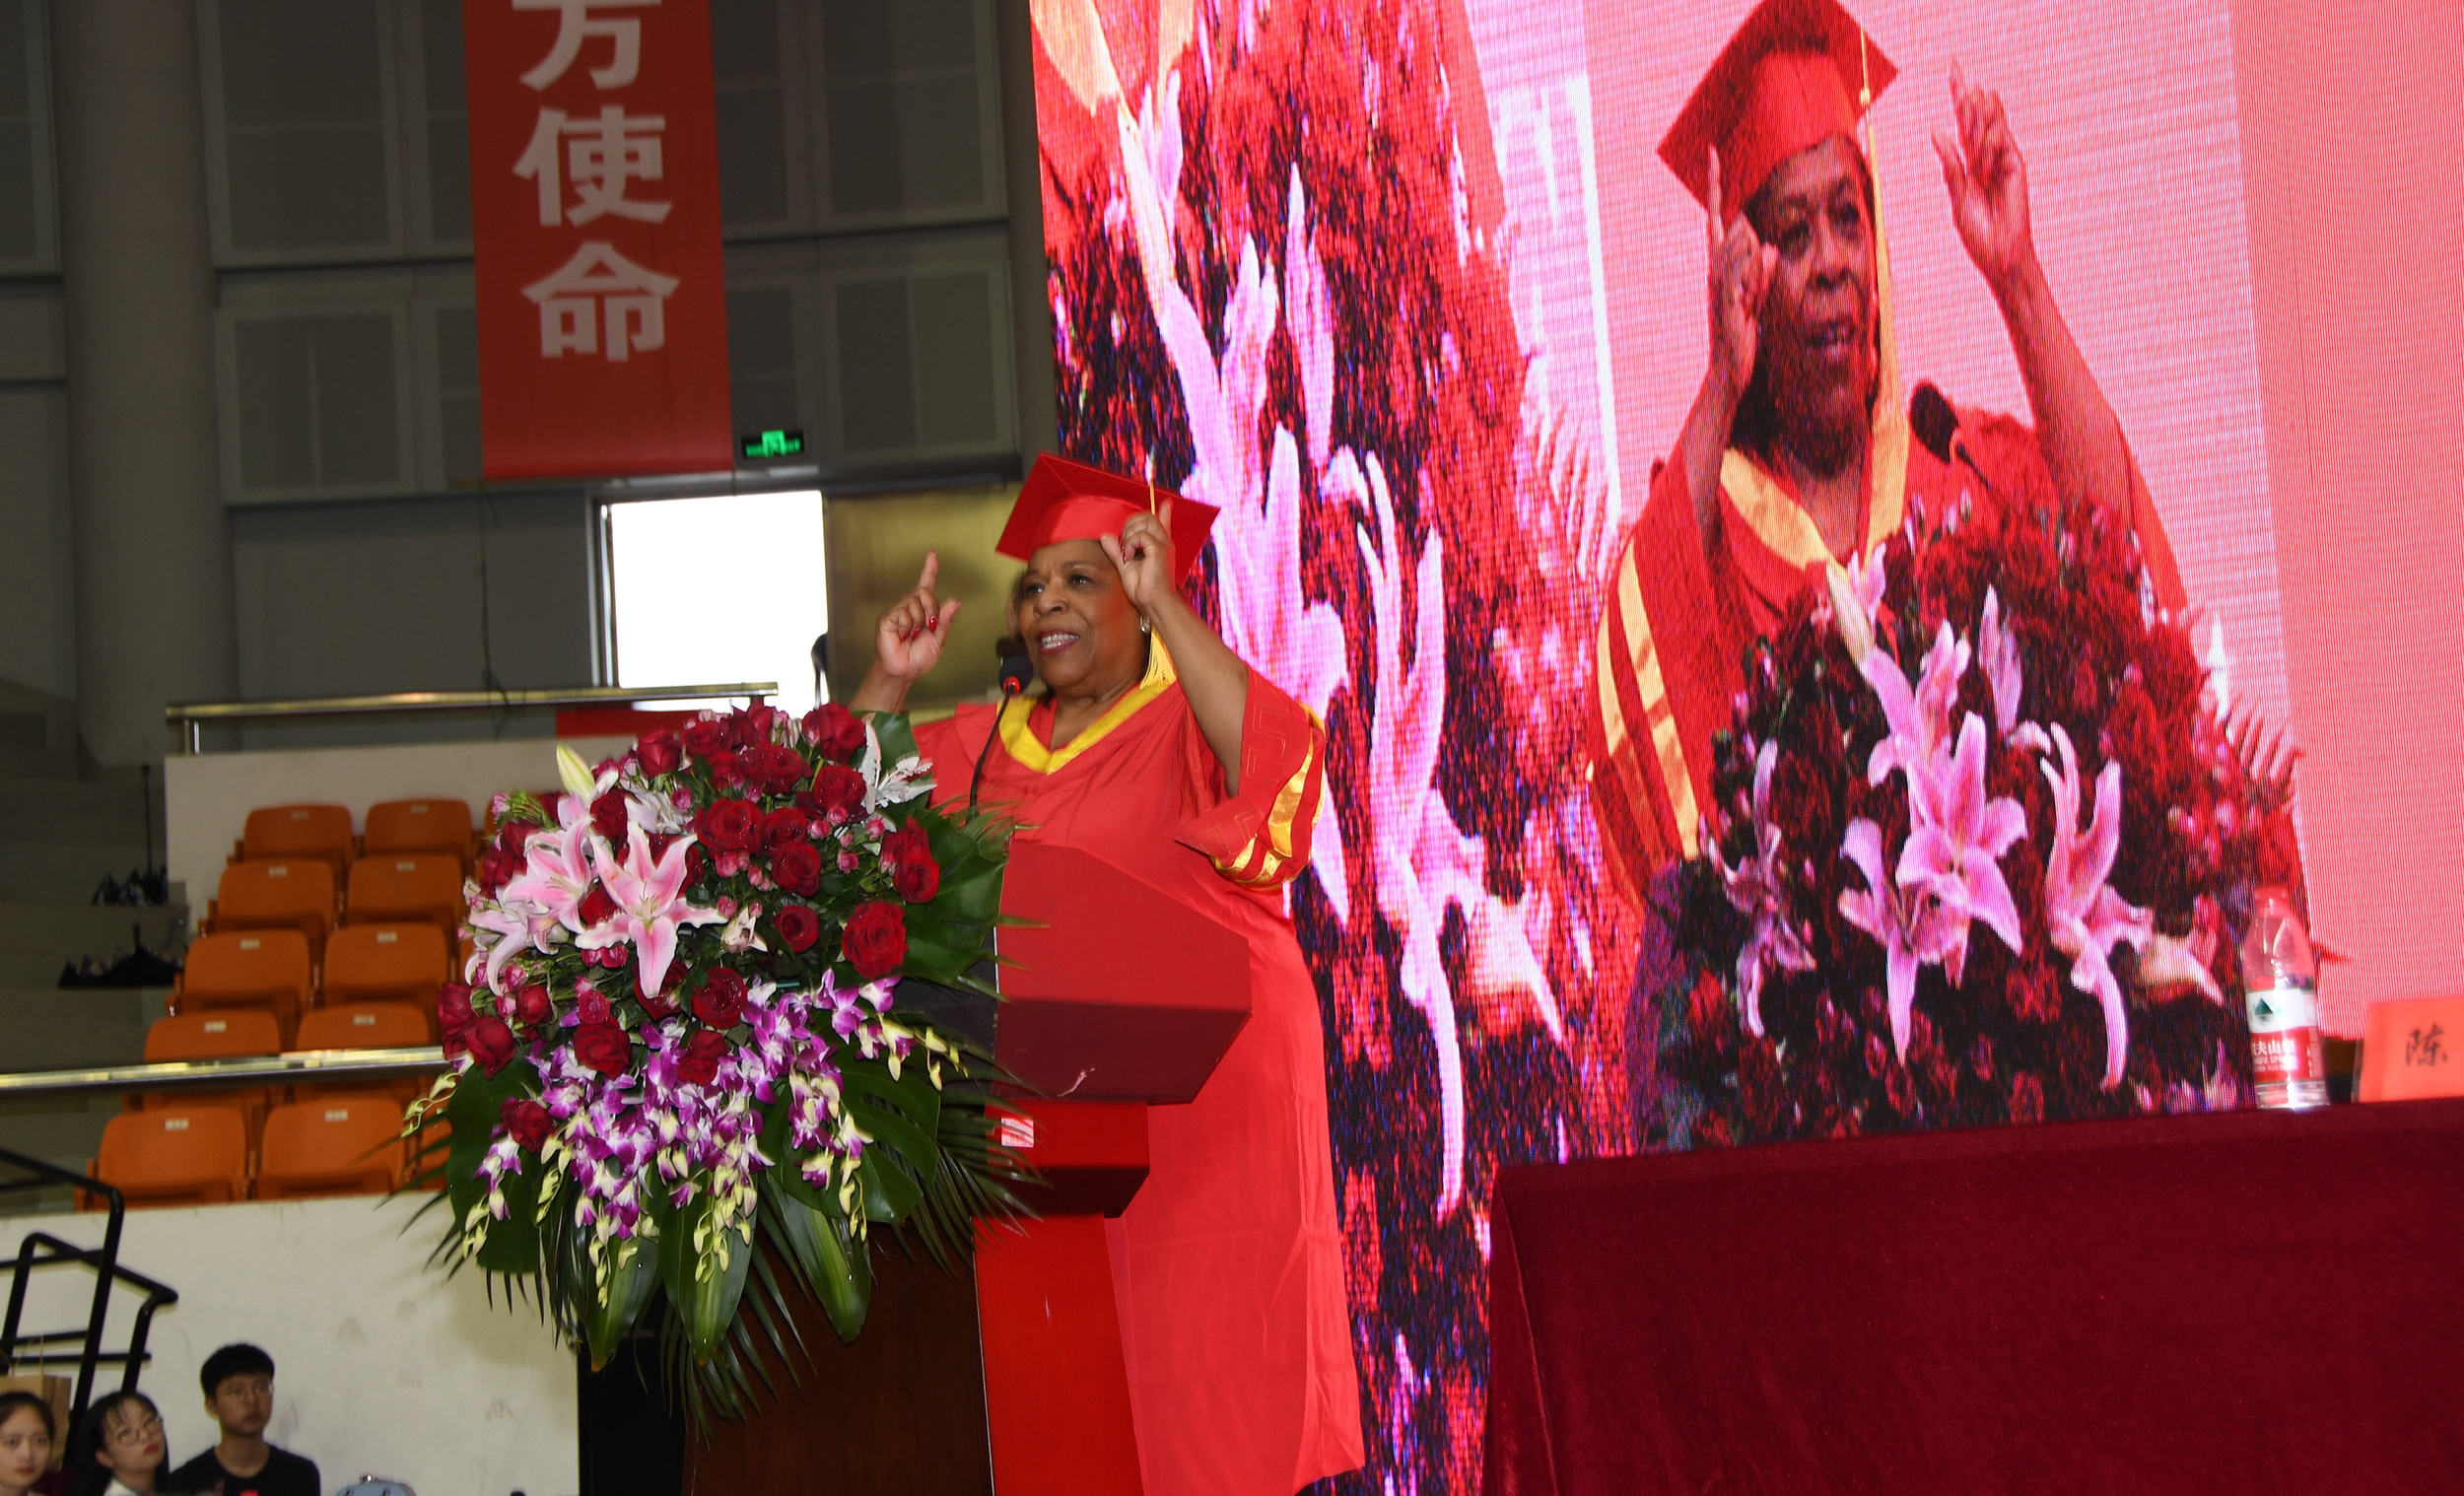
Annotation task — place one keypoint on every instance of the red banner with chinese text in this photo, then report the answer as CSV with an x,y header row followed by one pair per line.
x,y
594,213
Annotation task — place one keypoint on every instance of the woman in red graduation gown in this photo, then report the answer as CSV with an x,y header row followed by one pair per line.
x,y
1154,745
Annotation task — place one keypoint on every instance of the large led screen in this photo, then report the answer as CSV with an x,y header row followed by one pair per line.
x,y
1405,290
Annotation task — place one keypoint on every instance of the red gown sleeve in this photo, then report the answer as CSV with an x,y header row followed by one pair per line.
x,y
1260,836
1664,671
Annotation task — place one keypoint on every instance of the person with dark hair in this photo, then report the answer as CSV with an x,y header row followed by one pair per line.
x,y
238,1382
120,1450
27,1432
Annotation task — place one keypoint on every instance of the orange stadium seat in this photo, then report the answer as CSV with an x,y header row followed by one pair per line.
x,y
369,1026
185,1153
438,825
346,1144
264,969
322,831
213,1034
279,893
407,889
387,963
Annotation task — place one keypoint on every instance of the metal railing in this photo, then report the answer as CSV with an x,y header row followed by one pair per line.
x,y
38,1250
189,719
309,1067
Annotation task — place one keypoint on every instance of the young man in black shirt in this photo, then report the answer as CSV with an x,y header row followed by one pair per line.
x,y
240,1394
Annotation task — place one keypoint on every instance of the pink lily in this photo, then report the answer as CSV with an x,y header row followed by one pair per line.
x,y
1919,717
1754,887
1998,651
559,874
650,904
2086,918
1957,836
1911,926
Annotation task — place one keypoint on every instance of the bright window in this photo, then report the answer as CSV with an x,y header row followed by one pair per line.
x,y
722,588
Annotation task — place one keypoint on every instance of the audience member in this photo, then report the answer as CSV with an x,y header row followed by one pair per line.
x,y
25,1435
240,1394
119,1450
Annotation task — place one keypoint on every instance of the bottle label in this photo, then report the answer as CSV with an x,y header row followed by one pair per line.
x,y
2281,1009
2285,1050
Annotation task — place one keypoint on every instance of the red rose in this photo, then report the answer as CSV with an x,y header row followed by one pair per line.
x,y
875,940
776,767
454,1014
591,1006
596,906
916,878
497,867
607,815
704,738
797,867
660,752
532,1007
720,1001
837,790
526,1122
493,1042
798,925
752,725
783,827
663,1003
834,730
725,771
698,1065
728,824
604,1047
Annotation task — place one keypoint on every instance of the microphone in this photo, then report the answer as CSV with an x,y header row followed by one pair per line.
x,y
1936,424
1015,673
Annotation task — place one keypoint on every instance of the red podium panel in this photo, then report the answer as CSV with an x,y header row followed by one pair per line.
x,y
1117,992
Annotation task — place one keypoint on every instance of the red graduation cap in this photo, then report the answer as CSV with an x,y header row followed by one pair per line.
x,y
1064,500
1797,73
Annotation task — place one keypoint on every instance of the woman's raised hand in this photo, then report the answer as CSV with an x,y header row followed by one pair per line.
x,y
1144,553
1742,268
908,644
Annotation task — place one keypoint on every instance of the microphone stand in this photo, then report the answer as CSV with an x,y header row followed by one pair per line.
x,y
1014,675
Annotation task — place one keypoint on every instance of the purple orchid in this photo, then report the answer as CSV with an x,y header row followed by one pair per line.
x,y
1911,925
1957,836
650,904
1754,886
2087,917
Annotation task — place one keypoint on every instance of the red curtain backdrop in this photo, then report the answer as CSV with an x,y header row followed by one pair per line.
x,y
594,205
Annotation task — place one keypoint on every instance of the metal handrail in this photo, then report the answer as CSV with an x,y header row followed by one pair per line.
x,y
318,1066
187,719
104,1259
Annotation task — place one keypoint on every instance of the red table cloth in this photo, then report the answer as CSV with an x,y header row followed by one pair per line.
x,y
2248,1302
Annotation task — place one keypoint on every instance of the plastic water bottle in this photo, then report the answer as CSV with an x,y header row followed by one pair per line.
x,y
2280,981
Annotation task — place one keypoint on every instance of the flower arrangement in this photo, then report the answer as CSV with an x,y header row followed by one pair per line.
x,y
1979,820
678,1040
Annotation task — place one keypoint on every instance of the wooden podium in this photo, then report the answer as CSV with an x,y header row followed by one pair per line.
x,y
1115,998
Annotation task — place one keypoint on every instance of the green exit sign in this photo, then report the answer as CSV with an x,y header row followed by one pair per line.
x,y
764,445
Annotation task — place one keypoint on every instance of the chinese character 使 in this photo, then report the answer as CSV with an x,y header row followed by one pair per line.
x,y
598,288
601,154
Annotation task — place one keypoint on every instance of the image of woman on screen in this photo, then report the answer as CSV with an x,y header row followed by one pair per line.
x,y
1798,451
1153,746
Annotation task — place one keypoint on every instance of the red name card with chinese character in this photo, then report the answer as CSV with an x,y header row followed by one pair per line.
x,y
2408,1049
594,207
